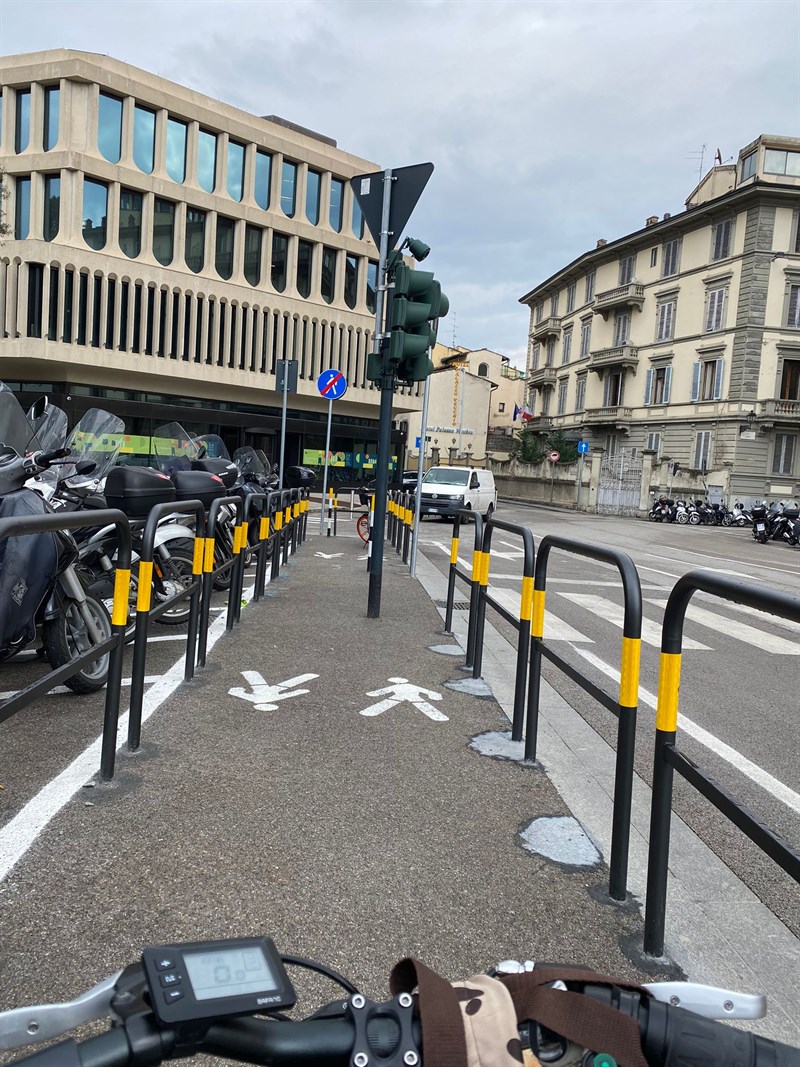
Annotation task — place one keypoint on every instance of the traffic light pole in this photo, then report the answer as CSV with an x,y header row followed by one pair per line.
x,y
385,424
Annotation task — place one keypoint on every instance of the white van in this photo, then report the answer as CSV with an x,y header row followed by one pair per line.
x,y
446,490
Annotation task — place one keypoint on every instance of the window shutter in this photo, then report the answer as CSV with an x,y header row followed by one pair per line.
x,y
794,305
648,388
667,384
607,390
696,371
698,448
718,370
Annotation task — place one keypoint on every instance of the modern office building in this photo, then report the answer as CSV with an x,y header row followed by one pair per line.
x,y
167,249
684,336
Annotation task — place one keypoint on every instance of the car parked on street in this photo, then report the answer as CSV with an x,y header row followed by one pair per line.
x,y
446,490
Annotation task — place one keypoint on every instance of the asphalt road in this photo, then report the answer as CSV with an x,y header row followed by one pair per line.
x,y
740,669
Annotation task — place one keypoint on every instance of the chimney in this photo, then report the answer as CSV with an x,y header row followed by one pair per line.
x,y
651,220
601,242
667,216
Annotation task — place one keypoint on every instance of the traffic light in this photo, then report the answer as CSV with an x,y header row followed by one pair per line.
x,y
418,302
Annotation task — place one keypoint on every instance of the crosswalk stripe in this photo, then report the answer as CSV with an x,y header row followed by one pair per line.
x,y
613,613
778,646
555,629
762,616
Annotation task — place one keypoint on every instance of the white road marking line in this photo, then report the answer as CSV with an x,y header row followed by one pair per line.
x,y
762,616
61,690
755,773
167,637
614,613
555,629
778,646
17,836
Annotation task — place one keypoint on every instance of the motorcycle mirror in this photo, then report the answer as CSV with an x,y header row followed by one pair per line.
x,y
85,466
203,452
38,409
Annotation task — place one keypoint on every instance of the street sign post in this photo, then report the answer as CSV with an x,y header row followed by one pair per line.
x,y
286,382
583,448
554,457
333,385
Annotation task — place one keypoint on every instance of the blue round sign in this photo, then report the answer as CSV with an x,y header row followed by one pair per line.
x,y
332,384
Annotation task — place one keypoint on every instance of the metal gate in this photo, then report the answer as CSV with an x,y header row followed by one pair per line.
x,y
620,483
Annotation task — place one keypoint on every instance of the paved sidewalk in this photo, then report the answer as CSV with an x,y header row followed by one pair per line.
x,y
299,788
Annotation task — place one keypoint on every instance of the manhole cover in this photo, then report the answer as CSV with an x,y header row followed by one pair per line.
x,y
458,605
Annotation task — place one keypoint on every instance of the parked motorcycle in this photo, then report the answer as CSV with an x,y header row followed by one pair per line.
x,y
759,513
741,516
660,510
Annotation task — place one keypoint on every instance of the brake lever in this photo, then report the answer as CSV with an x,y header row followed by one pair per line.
x,y
30,1025
709,1001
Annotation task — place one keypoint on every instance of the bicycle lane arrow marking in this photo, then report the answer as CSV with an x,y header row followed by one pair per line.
x,y
264,696
326,555
401,692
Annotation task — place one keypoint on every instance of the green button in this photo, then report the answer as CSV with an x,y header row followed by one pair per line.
x,y
603,1059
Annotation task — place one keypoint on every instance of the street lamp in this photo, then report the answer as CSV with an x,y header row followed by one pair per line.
x,y
750,422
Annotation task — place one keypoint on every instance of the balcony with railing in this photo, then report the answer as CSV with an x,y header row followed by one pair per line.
x,y
542,376
630,295
619,356
549,327
539,423
772,412
611,416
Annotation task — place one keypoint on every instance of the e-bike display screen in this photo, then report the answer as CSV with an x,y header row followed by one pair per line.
x,y
213,979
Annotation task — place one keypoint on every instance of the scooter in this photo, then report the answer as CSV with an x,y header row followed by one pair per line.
x,y
759,512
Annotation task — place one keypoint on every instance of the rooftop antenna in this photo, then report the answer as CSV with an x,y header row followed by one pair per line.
x,y
699,156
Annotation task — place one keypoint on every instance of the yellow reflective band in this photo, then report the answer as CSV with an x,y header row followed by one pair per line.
x,y
629,672
197,561
330,494
476,565
297,510
145,586
372,502
409,516
236,532
208,564
243,536
122,588
288,514
263,532
526,604
669,681
454,552
537,623
484,568
278,520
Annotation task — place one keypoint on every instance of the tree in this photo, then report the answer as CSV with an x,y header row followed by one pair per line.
x,y
532,447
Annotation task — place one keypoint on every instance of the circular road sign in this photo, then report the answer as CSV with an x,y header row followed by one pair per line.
x,y
332,384
554,456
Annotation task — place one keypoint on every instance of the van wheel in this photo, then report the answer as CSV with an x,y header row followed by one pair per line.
x,y
489,512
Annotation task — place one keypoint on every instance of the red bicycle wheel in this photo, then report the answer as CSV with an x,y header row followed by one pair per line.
x,y
363,527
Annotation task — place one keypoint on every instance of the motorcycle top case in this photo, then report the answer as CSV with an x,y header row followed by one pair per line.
x,y
135,490
29,566
199,485
223,468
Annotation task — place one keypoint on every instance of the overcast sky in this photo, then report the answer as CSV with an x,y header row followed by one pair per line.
x,y
550,124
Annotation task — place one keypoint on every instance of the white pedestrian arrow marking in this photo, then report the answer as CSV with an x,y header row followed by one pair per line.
x,y
264,695
326,555
400,692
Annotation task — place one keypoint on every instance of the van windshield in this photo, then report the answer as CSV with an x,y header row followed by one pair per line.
x,y
446,476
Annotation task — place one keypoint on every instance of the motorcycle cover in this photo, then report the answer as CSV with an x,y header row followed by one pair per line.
x,y
28,570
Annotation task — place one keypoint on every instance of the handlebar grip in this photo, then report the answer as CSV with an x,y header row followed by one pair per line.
x,y
675,1037
57,453
110,1049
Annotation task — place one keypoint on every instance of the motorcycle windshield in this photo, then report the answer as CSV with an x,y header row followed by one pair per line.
x,y
267,465
50,428
15,430
97,439
174,448
211,446
248,462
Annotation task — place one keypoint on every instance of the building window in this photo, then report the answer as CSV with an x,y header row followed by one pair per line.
x,y
665,321
707,379
95,213
586,338
328,283
783,458
551,351
671,259
144,138
554,305
562,396
702,450
653,257
793,307
715,310
545,408
787,163
163,230
654,444
223,252
790,380
658,385
22,130
622,328
52,100
313,180
566,350
130,222
501,408
350,281
613,389
590,279
280,253
626,269
252,254
305,251
206,160
1,114
52,206
22,213
109,127
749,165
263,179
176,150
358,219
288,188
796,242
195,239
235,171
580,394
337,201
721,239
372,284
570,298
535,351
539,312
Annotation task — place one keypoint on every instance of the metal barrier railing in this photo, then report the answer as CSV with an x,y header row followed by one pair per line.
x,y
145,612
114,645
330,508
210,571
624,708
473,579
669,758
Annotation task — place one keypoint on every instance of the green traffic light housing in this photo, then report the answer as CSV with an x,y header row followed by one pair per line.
x,y
417,304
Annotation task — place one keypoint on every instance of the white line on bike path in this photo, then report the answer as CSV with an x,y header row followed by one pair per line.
x,y
17,836
755,773
778,646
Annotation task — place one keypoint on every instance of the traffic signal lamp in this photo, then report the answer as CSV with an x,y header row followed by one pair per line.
x,y
418,302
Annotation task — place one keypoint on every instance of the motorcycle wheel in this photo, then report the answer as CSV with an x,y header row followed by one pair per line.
x,y
727,520
651,517
694,519
176,574
66,637
682,518
222,582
